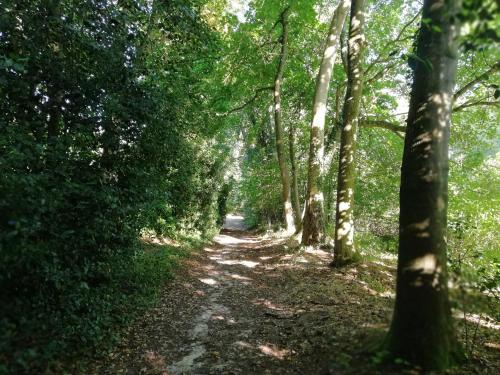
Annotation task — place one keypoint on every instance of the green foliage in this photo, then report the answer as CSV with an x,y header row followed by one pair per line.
x,y
259,189
117,118
222,201
102,134
374,246
481,19
86,314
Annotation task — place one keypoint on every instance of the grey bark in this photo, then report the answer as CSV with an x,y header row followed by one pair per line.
x,y
284,174
344,220
294,188
313,223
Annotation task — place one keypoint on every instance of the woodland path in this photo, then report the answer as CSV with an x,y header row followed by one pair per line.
x,y
247,305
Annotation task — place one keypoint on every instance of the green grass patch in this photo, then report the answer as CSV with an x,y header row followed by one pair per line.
x,y
374,247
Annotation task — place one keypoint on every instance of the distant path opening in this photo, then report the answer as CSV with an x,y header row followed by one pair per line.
x,y
234,222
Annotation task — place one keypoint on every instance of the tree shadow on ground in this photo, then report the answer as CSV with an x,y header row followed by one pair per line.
x,y
248,305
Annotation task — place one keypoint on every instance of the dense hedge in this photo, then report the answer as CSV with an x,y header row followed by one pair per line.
x,y
95,145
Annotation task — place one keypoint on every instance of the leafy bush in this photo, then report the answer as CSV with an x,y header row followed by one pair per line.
x,y
86,316
94,147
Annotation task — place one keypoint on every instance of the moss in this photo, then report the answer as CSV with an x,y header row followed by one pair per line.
x,y
353,258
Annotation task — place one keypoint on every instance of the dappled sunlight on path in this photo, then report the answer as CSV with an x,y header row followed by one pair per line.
x,y
244,304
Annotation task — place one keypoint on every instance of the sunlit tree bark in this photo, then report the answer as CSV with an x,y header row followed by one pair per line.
x,y
313,223
294,187
422,331
344,221
285,176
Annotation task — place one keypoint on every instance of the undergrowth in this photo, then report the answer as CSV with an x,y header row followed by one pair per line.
x,y
84,321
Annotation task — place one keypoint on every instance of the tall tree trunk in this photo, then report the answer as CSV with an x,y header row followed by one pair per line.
x,y
331,146
330,174
344,221
313,223
422,331
295,189
285,176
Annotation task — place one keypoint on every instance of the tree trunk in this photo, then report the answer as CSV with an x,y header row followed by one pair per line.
x,y
295,189
285,177
313,223
422,330
331,181
344,221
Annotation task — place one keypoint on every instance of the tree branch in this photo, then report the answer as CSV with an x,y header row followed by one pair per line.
x,y
394,41
479,102
382,71
251,100
476,80
395,128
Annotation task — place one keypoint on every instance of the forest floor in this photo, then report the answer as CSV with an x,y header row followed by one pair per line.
x,y
248,304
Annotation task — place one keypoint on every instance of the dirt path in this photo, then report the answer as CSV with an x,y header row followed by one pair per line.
x,y
246,305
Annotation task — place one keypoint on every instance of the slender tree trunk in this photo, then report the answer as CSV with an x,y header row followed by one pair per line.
x,y
313,223
295,189
343,47
422,330
344,221
331,181
285,177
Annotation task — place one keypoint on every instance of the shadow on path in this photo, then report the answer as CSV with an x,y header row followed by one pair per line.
x,y
246,305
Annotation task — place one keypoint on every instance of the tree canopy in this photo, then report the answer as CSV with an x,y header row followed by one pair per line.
x,y
127,122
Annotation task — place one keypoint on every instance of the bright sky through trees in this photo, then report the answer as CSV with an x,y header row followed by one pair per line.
x,y
238,8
